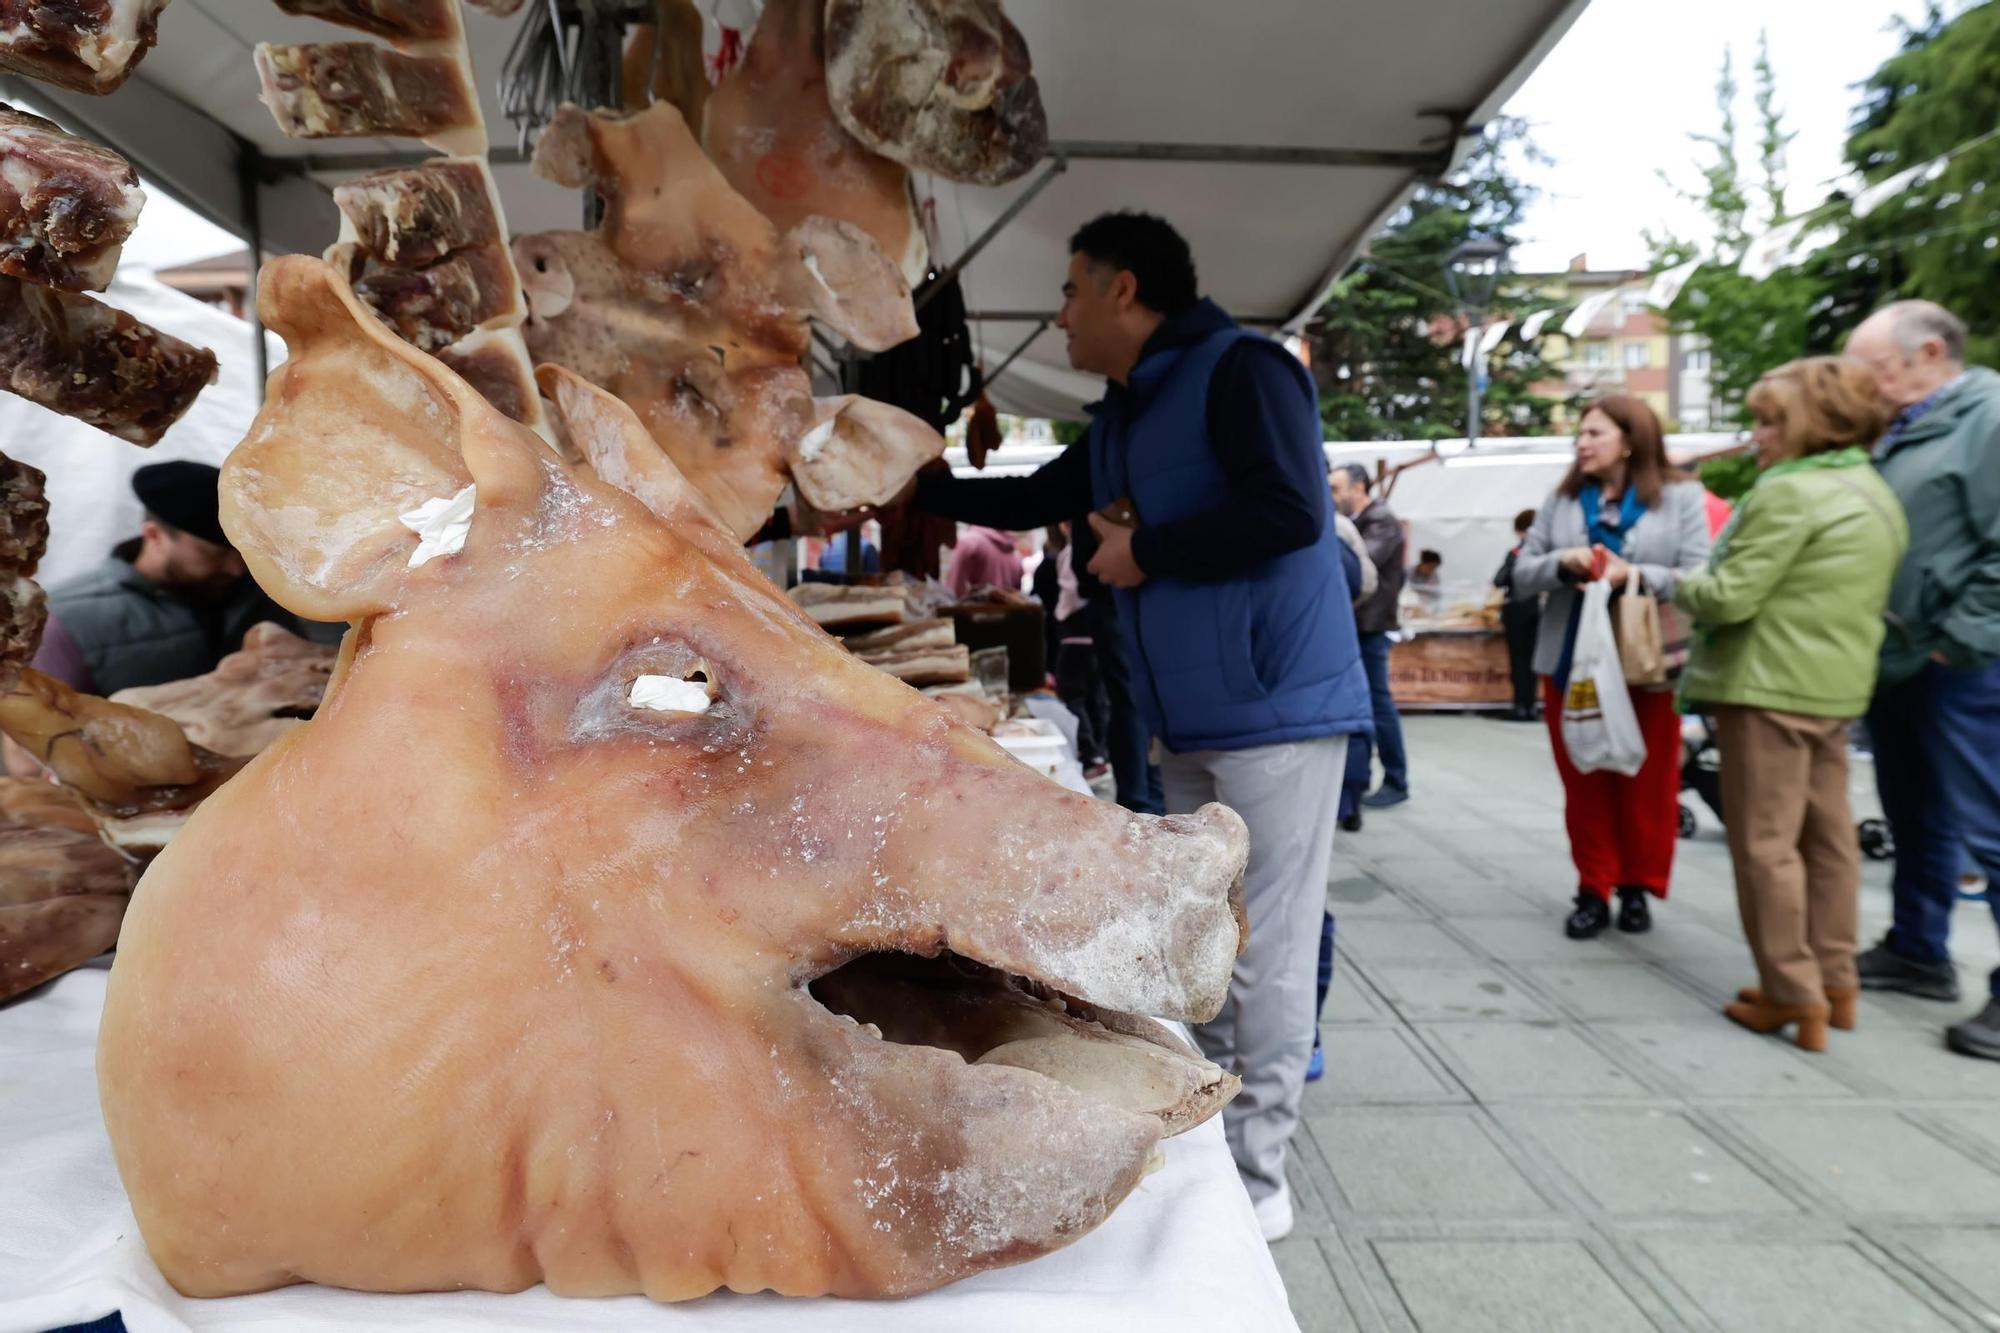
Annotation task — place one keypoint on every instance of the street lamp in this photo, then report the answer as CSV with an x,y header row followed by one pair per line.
x,y
1471,274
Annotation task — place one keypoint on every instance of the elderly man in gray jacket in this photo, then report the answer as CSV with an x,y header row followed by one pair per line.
x,y
1935,721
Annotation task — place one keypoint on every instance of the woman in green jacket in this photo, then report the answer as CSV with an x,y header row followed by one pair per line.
x,y
1788,626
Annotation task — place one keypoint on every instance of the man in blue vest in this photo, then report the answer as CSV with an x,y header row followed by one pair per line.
x,y
1235,613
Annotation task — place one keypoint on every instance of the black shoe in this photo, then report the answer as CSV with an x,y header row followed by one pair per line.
x,y
1978,1035
1635,915
1588,921
1882,968
1385,796
1351,823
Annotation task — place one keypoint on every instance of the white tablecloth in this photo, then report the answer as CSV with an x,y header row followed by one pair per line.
x,y
1182,1252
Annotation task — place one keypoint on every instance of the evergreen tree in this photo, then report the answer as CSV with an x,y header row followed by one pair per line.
x,y
1386,346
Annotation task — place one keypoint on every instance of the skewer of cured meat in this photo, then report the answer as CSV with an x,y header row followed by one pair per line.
x,y
424,246
87,46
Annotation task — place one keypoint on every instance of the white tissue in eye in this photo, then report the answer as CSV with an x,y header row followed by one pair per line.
x,y
669,694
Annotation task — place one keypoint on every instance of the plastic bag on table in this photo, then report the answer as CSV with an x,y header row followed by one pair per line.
x,y
1599,728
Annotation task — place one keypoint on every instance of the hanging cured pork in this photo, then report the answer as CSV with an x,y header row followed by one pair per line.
x,y
691,307
773,133
87,46
942,86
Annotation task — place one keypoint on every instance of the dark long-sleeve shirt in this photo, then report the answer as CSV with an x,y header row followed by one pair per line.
x,y
1266,437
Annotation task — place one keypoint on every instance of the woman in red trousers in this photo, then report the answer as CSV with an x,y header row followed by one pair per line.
x,y
1620,508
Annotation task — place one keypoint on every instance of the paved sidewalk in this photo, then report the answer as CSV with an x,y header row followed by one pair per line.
x,y
1521,1132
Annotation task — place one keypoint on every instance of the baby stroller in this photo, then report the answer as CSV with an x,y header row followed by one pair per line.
x,y
1701,769
1701,773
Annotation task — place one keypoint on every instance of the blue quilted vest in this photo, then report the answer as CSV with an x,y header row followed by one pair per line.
x,y
1222,664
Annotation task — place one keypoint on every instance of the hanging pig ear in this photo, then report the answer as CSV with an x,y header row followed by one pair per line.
x,y
859,452
358,428
849,285
611,438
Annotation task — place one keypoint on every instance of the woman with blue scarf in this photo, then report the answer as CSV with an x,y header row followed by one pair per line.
x,y
1788,627
1621,508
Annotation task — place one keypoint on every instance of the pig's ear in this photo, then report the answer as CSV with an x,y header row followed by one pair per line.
x,y
358,427
610,437
859,452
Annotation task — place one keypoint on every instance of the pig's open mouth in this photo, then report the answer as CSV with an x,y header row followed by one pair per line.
x,y
990,1017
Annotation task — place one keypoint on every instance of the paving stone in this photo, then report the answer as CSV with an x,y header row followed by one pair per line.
x,y
1424,1164
1596,992
1350,999
1971,1259
1762,1288
1415,871
1453,898
1421,991
1315,1295
1644,1161
1507,1287
1399,941
1502,1061
1873,1161
1377,1065
1723,1060
1527,939
1915,1065
1354,896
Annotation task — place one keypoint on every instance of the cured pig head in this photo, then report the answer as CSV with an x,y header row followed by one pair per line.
x,y
689,306
610,926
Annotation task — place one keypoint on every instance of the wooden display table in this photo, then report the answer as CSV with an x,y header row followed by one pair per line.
x,y
1447,669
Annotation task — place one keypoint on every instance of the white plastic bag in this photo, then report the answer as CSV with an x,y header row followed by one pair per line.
x,y
1599,728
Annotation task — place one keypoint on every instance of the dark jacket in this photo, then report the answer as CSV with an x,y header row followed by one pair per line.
x,y
1387,547
1270,655
1240,527
1945,469
132,632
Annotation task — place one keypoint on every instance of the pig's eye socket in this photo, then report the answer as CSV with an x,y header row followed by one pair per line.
x,y
691,690
662,690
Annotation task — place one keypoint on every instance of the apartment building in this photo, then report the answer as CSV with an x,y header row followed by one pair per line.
x,y
1628,348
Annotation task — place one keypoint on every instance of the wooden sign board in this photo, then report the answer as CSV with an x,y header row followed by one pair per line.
x,y
1451,670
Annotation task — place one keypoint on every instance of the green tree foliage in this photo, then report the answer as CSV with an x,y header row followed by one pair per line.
x,y
1750,326
1939,240
1386,346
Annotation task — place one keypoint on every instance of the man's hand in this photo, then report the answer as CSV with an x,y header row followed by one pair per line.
x,y
1615,569
1576,560
1113,562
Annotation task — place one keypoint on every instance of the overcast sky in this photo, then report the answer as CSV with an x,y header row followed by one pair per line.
x,y
1616,100
1613,103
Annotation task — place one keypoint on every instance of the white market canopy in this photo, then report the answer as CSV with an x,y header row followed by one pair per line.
x,y
1276,134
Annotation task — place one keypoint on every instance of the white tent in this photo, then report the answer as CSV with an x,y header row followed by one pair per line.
x,y
91,505
1277,134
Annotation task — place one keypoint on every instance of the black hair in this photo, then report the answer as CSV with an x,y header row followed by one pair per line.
x,y
1358,474
1149,249
1429,557
1524,520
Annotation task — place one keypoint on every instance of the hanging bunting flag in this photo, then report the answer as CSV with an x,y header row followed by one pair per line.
x,y
1531,327
1784,245
1666,288
1490,339
1882,191
1581,318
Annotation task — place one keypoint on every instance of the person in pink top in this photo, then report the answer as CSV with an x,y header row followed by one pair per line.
x,y
985,558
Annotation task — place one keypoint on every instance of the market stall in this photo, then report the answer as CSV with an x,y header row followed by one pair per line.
x,y
1462,504
609,928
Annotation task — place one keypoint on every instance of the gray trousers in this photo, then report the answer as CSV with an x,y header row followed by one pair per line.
x,y
1264,1034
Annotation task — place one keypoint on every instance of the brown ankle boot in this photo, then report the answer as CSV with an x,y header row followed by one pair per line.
x,y
1842,1004
1767,1018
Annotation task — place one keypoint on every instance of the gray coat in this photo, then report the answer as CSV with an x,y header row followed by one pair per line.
x,y
1666,542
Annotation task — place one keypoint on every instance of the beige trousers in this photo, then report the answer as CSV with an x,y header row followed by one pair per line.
x,y
1792,839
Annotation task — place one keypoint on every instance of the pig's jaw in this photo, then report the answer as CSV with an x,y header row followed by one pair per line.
x,y
986,1016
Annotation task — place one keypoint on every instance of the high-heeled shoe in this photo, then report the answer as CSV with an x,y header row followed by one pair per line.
x,y
1843,1006
1769,1018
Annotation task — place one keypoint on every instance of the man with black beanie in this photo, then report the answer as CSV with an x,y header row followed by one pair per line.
x,y
166,605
